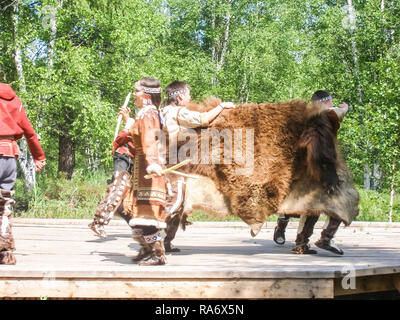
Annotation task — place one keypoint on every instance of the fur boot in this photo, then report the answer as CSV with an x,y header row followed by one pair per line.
x,y
326,241
303,237
152,251
7,257
7,244
157,256
279,233
144,251
172,227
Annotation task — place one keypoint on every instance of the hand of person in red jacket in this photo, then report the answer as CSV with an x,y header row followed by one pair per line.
x,y
39,164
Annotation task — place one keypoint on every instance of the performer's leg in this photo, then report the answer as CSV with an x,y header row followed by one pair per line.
x,y
172,227
304,232
328,233
152,251
280,229
111,201
157,256
123,162
145,248
7,244
123,214
176,188
279,232
8,175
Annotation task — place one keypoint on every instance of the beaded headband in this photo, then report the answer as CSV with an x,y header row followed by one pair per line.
x,y
176,92
140,87
325,99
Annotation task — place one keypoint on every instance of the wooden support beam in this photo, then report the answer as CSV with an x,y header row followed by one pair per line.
x,y
168,289
396,281
378,283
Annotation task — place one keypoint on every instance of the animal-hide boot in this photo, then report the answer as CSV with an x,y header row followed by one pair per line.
x,y
326,241
157,256
303,237
279,232
145,247
7,244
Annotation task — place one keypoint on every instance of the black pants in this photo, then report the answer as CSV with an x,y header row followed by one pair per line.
x,y
123,162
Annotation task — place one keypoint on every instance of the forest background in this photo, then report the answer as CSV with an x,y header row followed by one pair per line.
x,y
73,62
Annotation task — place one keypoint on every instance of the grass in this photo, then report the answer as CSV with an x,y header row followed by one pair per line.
x,y
374,206
61,198
78,199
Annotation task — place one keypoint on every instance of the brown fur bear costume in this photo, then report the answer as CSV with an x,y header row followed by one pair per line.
x,y
298,168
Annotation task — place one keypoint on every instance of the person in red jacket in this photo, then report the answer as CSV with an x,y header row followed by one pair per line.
x,y
13,125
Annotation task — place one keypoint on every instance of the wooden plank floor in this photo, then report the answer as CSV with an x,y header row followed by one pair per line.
x,y
63,258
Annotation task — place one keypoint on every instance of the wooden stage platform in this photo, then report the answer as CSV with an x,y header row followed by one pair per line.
x,y
64,259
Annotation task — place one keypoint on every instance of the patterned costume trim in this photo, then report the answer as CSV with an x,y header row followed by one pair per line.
x,y
325,99
176,92
142,112
150,191
145,89
134,222
148,195
151,238
115,194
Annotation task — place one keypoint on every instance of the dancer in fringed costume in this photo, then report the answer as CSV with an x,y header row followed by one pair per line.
x,y
148,196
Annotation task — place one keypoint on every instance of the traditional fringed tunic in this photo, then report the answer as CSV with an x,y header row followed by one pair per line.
x,y
149,195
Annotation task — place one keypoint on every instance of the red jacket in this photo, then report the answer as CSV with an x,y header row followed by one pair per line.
x,y
14,123
123,144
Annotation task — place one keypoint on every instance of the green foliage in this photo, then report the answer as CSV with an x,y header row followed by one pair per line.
x,y
78,198
374,206
78,70
75,198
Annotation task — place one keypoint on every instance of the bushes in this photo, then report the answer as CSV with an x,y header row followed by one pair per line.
x,y
61,198
374,206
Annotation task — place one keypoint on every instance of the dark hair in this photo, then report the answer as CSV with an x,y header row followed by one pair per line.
x,y
152,83
172,92
320,94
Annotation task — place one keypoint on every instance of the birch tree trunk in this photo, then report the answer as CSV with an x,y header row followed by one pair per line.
x,y
18,52
25,160
352,24
245,88
221,60
214,48
213,17
225,42
52,25
367,177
